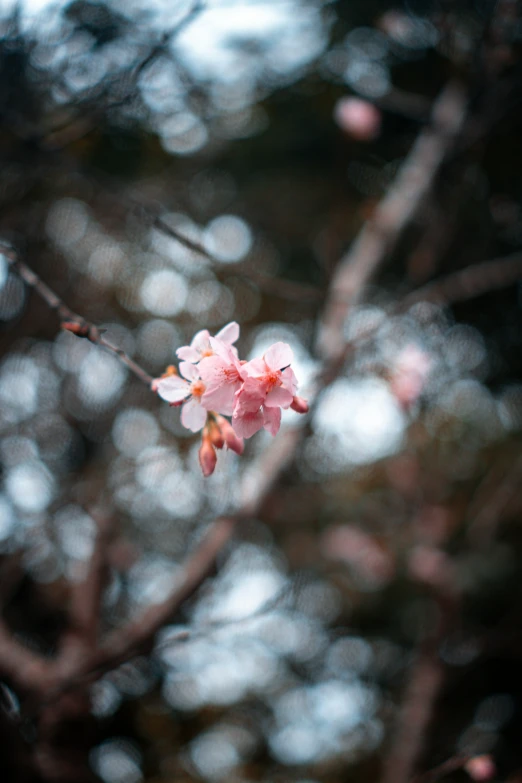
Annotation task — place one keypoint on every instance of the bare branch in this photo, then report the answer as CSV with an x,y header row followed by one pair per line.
x,y
70,320
435,774
354,272
86,595
27,670
470,282
379,235
423,688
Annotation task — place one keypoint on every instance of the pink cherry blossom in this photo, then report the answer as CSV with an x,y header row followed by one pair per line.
x,y
221,374
269,384
174,389
200,347
213,383
276,381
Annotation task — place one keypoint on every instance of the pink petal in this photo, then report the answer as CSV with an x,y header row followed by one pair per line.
x,y
173,388
278,398
220,399
247,425
254,368
189,371
188,354
250,396
212,370
279,355
223,350
289,381
229,333
193,415
272,420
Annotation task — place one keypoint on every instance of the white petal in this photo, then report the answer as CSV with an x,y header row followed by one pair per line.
x,y
173,388
229,333
200,341
279,355
189,371
188,354
193,415
222,349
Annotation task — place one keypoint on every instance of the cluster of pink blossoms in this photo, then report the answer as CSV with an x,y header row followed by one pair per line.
x,y
213,382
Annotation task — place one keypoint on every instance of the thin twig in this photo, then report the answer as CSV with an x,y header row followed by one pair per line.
x,y
470,282
70,320
440,771
27,670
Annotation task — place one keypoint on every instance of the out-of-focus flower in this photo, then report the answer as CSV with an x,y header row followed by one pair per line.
x,y
409,374
201,347
481,768
357,118
363,552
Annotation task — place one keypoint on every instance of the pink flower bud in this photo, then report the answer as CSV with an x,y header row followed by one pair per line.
x,y
207,455
299,405
481,768
216,436
232,440
359,119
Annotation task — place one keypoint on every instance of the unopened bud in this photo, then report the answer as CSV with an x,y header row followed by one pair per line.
x,y
299,405
232,440
215,434
207,455
77,328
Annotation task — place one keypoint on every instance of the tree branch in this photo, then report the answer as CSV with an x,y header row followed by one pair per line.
x,y
379,236
70,320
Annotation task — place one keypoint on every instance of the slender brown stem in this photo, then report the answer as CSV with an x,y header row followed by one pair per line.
x,y
70,320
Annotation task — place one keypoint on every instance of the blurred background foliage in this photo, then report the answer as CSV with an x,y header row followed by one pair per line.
x,y
227,121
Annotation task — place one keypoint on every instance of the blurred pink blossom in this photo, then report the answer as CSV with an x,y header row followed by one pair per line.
x,y
481,768
358,118
409,374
